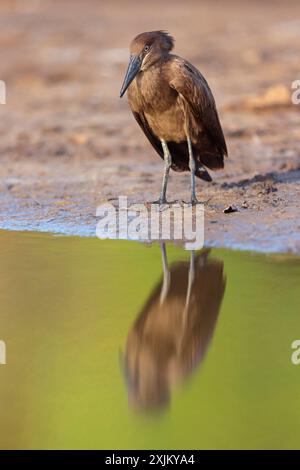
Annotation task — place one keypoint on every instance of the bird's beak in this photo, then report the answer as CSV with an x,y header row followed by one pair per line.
x,y
132,70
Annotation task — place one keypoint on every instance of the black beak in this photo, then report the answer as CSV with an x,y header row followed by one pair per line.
x,y
132,70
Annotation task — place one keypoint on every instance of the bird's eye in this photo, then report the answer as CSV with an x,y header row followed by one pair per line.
x,y
146,48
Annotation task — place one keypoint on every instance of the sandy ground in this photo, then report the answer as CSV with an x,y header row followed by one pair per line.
x,y
68,142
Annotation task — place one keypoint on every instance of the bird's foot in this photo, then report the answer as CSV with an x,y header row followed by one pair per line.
x,y
163,202
194,201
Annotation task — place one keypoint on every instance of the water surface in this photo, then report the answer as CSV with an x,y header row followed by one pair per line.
x,y
106,351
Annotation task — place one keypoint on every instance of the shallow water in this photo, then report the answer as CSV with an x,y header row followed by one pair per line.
x,y
103,351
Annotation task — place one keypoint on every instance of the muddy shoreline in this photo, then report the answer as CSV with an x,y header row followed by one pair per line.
x,y
265,220
69,144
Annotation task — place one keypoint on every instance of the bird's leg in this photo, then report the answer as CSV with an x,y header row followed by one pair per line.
x,y
168,163
192,166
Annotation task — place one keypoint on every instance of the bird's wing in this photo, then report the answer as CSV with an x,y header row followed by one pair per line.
x,y
191,84
143,123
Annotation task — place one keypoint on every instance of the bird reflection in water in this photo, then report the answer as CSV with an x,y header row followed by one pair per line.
x,y
173,331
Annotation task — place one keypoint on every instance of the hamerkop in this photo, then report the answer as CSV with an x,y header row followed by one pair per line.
x,y
173,104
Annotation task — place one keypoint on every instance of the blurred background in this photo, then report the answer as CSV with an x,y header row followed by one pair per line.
x,y
64,61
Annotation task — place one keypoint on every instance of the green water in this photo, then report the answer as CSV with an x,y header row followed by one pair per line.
x,y
96,360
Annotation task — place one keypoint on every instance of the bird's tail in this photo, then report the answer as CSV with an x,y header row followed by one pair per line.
x,y
213,161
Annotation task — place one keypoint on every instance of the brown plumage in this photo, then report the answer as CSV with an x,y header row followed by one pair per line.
x,y
173,104
173,331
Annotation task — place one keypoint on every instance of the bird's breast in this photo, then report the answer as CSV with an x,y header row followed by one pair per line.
x,y
167,124
151,91
152,95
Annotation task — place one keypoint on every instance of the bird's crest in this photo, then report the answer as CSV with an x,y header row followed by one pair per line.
x,y
163,37
167,38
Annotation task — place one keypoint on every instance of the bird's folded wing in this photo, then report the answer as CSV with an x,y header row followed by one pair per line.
x,y
191,84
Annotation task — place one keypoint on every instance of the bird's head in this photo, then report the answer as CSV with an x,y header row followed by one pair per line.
x,y
145,50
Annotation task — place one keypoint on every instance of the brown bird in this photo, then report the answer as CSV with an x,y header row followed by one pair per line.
x,y
173,104
172,333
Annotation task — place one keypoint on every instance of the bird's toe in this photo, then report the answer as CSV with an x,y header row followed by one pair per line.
x,y
163,202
